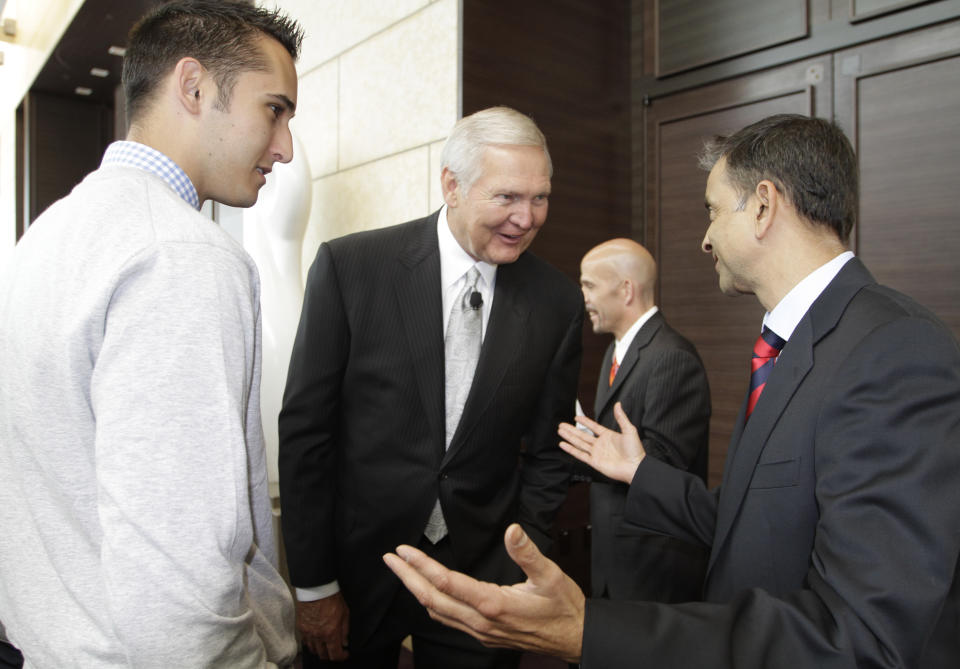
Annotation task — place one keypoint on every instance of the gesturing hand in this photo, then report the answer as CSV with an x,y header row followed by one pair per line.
x,y
613,454
544,614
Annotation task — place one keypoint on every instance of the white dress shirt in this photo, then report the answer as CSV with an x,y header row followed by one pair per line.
x,y
623,345
795,304
454,265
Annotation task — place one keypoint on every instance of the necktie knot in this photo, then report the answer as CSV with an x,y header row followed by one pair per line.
x,y
768,344
765,352
469,287
614,366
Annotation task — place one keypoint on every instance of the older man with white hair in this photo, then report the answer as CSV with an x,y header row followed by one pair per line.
x,y
433,362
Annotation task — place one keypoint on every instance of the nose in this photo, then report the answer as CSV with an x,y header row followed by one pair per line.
x,y
281,149
522,214
705,245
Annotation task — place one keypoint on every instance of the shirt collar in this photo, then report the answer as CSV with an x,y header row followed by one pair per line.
x,y
788,312
141,156
623,345
454,261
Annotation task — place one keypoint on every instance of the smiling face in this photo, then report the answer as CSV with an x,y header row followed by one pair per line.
x,y
252,133
499,216
729,237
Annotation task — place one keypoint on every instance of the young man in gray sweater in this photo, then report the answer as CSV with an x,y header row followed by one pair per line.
x,y
135,524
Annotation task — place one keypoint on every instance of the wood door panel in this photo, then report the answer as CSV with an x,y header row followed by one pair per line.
x,y
692,33
910,139
861,10
902,102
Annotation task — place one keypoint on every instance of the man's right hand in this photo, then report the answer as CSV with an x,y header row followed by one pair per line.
x,y
544,614
324,625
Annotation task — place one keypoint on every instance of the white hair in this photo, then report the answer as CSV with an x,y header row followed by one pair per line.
x,y
496,126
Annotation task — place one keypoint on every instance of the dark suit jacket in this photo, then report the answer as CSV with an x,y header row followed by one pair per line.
x,y
362,456
663,388
835,535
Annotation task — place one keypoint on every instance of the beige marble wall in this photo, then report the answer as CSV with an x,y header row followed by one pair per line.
x,y
379,90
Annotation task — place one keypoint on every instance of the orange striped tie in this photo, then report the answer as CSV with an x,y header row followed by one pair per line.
x,y
614,366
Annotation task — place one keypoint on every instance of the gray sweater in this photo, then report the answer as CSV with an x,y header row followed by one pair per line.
x,y
135,523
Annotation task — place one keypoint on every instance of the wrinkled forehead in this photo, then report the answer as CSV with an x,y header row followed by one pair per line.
x,y
511,161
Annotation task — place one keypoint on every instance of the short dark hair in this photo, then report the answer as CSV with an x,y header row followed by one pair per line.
x,y
221,34
809,160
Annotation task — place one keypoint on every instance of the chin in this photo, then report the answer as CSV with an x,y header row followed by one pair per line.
x,y
728,289
505,256
241,201
732,290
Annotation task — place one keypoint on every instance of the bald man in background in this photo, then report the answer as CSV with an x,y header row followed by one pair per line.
x,y
660,382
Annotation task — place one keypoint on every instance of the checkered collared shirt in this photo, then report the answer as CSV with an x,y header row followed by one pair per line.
x,y
145,158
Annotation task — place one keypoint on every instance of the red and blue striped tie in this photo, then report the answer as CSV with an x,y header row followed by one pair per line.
x,y
765,352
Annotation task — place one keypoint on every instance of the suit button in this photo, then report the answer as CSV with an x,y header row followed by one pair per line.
x,y
444,477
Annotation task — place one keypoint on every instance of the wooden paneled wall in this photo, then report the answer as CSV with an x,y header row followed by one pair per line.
x,y
885,71
899,100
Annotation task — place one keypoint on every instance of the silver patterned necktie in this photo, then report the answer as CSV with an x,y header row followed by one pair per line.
x,y
461,352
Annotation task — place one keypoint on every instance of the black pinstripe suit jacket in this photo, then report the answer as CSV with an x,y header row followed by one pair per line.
x,y
362,457
663,388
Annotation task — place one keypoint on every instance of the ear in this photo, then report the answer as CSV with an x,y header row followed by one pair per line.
x,y
628,291
450,187
767,203
190,78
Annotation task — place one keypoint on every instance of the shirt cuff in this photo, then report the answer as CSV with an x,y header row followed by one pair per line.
x,y
319,592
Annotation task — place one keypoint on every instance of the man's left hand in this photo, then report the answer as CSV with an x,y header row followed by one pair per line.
x,y
613,454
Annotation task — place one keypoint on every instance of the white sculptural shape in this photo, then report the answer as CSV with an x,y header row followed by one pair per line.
x,y
273,232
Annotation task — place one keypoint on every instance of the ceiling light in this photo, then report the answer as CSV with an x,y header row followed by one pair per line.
x,y
99,72
83,90
117,51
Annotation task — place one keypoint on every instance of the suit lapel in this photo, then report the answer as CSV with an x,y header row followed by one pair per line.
x,y
640,341
604,389
791,368
794,363
421,308
501,346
